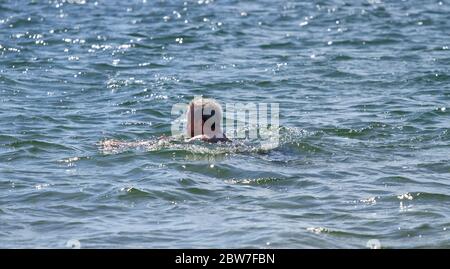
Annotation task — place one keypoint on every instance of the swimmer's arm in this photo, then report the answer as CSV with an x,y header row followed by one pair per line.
x,y
209,139
198,137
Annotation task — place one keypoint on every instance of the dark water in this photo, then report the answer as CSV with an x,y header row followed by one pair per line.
x,y
363,88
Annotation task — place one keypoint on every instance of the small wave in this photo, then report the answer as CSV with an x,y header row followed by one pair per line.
x,y
373,42
280,138
133,193
372,128
428,196
37,145
280,45
161,145
396,180
318,230
253,181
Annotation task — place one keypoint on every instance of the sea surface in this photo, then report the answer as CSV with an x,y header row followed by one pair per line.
x,y
363,89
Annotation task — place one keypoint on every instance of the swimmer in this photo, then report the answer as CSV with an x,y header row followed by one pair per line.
x,y
204,121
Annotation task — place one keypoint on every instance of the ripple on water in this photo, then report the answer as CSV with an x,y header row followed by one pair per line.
x,y
363,142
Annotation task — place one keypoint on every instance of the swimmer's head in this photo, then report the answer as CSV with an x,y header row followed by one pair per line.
x,y
204,117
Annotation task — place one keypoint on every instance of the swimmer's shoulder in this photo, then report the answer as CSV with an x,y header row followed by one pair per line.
x,y
222,139
214,139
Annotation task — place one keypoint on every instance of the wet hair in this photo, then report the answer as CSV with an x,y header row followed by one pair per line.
x,y
212,105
